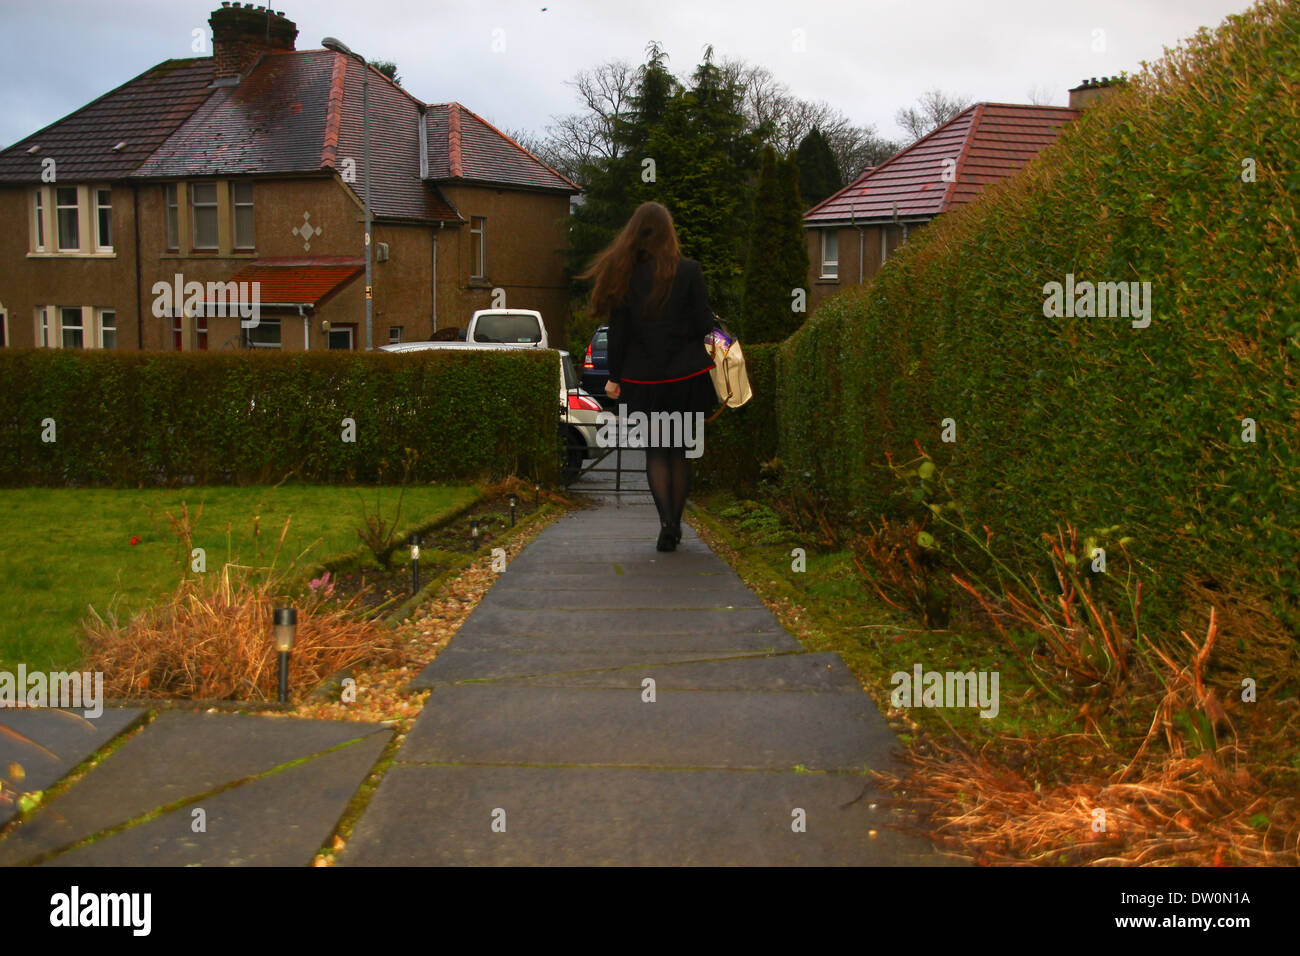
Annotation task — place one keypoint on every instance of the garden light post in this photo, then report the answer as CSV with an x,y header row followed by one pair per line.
x,y
286,623
338,46
473,530
415,563
514,500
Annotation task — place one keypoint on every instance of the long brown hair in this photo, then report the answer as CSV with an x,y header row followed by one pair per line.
x,y
649,234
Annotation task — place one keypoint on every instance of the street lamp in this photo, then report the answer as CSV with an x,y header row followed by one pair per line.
x,y
338,46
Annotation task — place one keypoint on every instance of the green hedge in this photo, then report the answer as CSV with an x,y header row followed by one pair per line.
x,y
740,439
1089,420
126,419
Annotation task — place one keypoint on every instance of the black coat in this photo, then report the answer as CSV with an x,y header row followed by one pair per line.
x,y
667,343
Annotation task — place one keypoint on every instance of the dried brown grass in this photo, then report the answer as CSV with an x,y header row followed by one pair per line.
x,y
211,640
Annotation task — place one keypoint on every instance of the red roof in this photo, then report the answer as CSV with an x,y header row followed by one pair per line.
x,y
985,143
294,112
464,146
300,281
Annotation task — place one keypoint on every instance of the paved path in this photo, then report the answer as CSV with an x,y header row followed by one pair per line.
x,y
190,789
540,743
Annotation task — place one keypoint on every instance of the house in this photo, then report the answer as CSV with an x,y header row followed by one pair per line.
x,y
852,233
168,212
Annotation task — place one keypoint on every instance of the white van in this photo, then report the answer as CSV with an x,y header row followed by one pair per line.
x,y
512,326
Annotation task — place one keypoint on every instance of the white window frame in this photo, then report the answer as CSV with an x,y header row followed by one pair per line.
x,y
215,205
41,327
38,214
265,323
95,191
99,328
478,244
80,326
399,329
830,263
235,206
4,327
59,207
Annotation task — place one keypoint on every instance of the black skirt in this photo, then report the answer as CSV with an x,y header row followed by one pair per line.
x,y
694,394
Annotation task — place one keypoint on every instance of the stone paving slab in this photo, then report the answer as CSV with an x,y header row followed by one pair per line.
x,y
59,740
181,754
490,618
453,665
278,820
793,673
490,723
612,817
606,598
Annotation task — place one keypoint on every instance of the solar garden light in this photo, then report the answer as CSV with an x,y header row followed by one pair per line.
x,y
514,500
415,563
473,529
286,623
537,493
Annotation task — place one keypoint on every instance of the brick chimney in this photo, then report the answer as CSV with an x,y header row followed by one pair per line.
x,y
241,33
1090,90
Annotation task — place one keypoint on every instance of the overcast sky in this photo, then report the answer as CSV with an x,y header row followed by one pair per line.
x,y
866,57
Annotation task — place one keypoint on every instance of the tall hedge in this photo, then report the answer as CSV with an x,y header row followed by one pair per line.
x,y
131,418
1089,420
739,440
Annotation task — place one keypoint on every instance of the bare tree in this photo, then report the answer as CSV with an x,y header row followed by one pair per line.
x,y
933,109
1041,96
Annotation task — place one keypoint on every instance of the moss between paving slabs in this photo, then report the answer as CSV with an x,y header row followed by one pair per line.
x,y
527,528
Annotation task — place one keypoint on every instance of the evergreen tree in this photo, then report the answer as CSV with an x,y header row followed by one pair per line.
x,y
819,173
760,318
794,244
777,263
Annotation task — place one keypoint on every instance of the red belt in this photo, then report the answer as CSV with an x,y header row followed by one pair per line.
x,y
665,381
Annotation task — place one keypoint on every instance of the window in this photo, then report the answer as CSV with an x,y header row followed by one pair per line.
x,y
103,220
73,332
200,333
172,202
241,201
42,327
69,213
4,328
394,334
830,254
107,329
266,334
478,250
203,206
342,336
40,220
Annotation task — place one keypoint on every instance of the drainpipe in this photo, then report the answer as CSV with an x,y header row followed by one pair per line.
x,y
139,300
434,279
853,220
306,328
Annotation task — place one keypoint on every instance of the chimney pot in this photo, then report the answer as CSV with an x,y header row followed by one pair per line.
x,y
242,33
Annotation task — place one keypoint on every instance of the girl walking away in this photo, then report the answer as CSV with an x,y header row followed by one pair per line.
x,y
657,309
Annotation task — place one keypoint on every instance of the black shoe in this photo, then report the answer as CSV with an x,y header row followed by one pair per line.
x,y
677,533
666,540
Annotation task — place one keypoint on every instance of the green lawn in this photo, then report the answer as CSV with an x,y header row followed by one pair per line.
x,y
66,549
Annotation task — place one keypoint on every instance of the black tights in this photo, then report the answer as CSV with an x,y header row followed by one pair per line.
x,y
669,475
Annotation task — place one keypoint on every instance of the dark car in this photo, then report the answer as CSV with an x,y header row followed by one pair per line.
x,y
595,365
